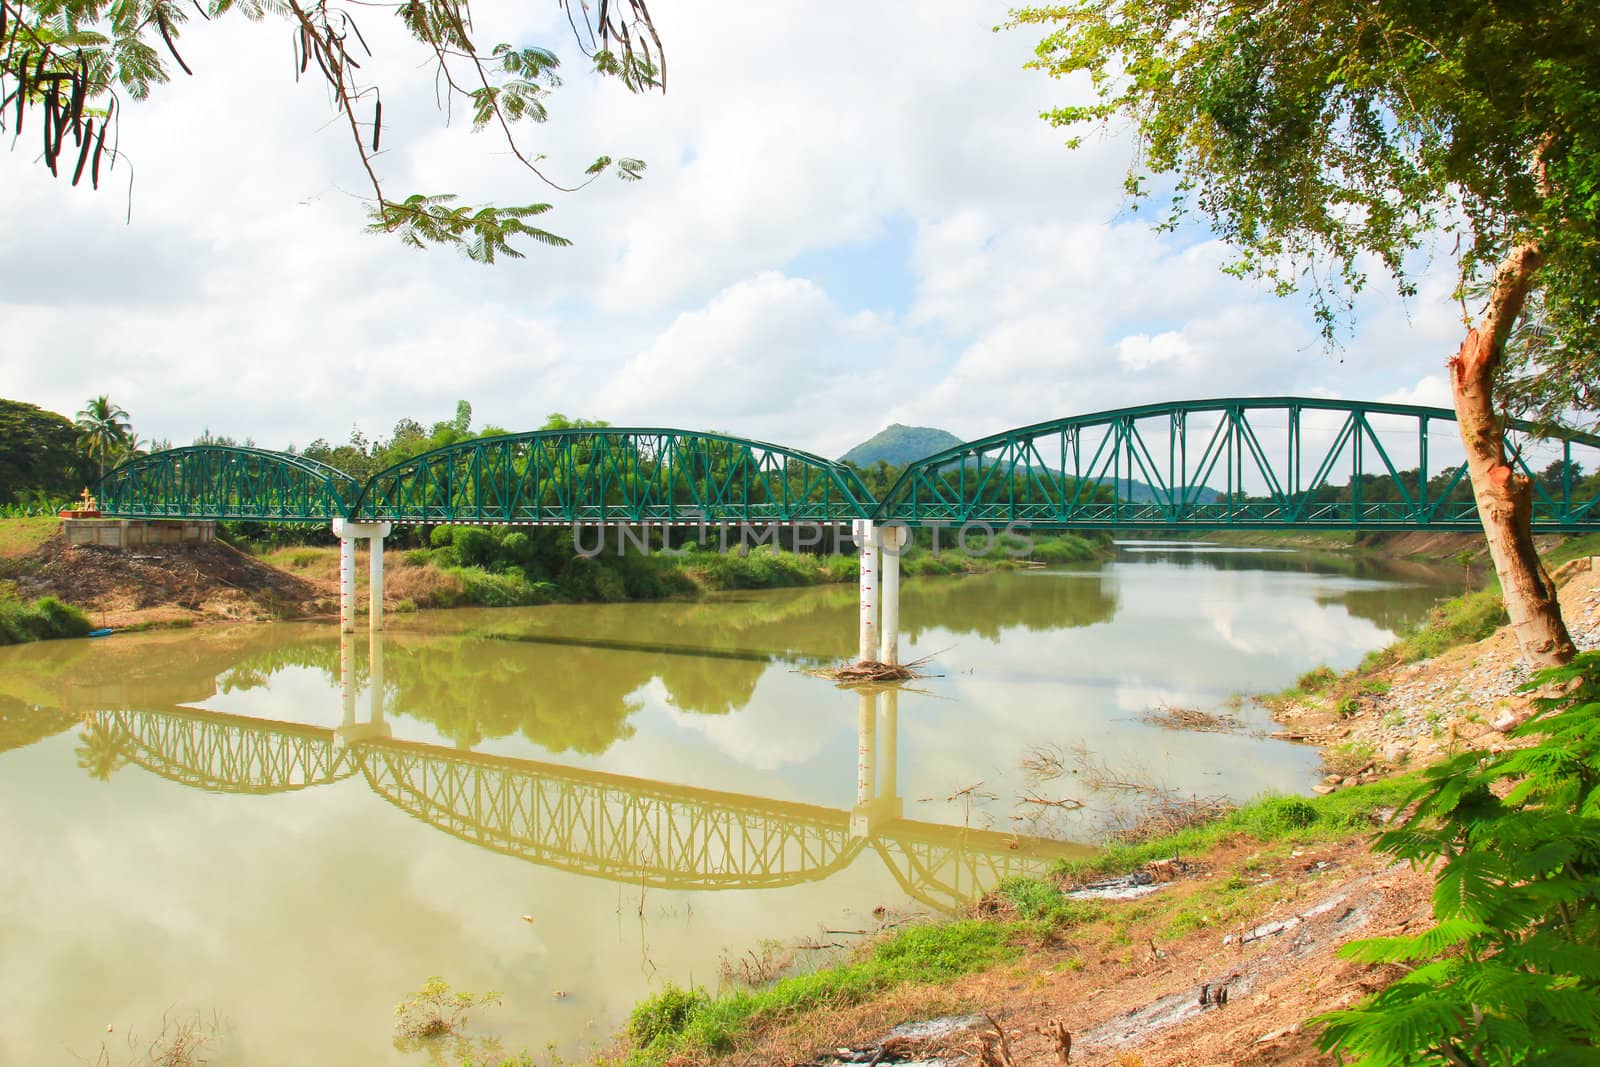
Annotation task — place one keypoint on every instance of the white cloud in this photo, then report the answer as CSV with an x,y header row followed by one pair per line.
x,y
1430,391
244,297
1141,351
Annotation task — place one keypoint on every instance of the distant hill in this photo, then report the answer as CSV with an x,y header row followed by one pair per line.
x,y
898,445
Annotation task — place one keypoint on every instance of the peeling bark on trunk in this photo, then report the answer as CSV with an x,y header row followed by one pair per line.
x,y
1505,498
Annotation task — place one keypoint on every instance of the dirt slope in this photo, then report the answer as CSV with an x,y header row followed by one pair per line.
x,y
166,584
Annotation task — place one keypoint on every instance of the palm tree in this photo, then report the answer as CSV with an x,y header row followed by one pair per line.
x,y
103,430
102,750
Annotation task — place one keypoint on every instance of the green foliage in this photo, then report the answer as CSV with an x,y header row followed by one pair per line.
x,y
1063,548
678,1021
41,620
1511,972
483,234
763,568
1316,680
39,454
103,432
1318,138
664,1014
432,1018
1041,901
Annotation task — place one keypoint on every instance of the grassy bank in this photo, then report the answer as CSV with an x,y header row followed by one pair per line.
x,y
39,620
696,1025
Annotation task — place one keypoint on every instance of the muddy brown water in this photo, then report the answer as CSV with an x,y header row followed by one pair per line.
x,y
572,805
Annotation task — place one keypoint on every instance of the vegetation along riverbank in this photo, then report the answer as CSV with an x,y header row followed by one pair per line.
x,y
452,566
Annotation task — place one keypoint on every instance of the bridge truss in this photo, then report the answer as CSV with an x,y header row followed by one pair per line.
x,y
612,475
227,482
1259,463
1255,463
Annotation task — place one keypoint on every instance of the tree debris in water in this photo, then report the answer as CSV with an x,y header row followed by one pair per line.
x,y
1168,717
868,672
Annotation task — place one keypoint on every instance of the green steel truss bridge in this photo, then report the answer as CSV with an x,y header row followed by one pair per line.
x,y
609,826
1255,463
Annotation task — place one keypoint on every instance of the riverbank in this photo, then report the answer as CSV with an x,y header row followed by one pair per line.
x,y
185,585
1257,903
1466,549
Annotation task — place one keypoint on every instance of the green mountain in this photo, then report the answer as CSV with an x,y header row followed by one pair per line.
x,y
898,445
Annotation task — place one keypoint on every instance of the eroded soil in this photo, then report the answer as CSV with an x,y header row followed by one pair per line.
x,y
166,584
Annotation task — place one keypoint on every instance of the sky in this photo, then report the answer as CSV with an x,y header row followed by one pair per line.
x,y
847,220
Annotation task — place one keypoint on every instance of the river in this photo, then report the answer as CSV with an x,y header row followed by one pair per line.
x,y
572,805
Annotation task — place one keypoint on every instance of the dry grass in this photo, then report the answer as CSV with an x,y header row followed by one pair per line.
x,y
1132,804
182,1042
759,966
871,672
423,586
1168,717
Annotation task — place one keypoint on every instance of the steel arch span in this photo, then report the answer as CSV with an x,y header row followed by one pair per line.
x,y
615,475
1250,463
227,482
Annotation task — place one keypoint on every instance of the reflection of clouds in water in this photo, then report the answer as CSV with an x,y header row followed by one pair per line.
x,y
773,731
1245,628
141,897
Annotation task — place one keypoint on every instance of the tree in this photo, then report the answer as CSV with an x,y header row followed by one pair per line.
x,y
103,431
39,453
71,66
1323,135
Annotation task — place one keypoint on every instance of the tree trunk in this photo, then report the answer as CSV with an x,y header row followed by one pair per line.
x,y
1505,498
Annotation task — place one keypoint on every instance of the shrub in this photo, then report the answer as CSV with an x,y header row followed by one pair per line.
x,y
1315,680
1510,973
41,620
1065,548
663,1014
1273,817
476,546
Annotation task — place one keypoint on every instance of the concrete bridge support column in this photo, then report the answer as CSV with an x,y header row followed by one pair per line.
x,y
375,580
867,538
894,540
347,583
347,532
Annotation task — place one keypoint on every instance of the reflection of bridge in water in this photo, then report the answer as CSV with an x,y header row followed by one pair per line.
x,y
592,823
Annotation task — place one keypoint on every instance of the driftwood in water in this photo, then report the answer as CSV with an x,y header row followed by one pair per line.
x,y
866,671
